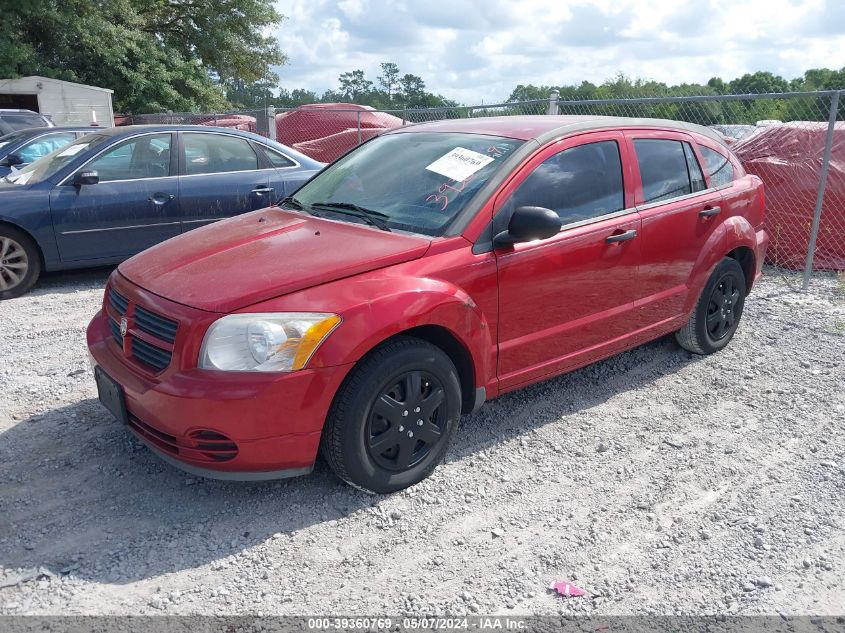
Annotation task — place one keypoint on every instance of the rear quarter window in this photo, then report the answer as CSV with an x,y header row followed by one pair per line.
x,y
717,166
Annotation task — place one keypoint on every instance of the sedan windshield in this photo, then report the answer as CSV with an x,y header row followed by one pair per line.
x,y
45,167
415,181
11,138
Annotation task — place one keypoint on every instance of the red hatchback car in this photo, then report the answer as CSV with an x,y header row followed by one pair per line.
x,y
428,270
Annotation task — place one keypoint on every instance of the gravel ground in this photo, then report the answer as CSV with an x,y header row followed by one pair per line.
x,y
658,481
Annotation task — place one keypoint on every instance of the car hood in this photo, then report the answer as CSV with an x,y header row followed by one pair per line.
x,y
261,255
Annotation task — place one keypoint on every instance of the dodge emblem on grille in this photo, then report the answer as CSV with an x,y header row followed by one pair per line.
x,y
123,326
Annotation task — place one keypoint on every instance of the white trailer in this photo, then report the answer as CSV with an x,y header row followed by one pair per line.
x,y
67,103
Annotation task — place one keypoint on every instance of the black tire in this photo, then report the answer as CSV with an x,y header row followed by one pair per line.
x,y
372,439
718,311
20,262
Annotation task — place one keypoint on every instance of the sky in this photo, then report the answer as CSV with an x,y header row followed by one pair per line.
x,y
475,51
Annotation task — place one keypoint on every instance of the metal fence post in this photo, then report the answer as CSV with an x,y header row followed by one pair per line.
x,y
554,97
817,212
404,114
271,122
359,127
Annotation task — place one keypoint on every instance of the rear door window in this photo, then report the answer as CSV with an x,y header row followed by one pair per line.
x,y
695,176
579,183
663,169
718,168
277,159
217,153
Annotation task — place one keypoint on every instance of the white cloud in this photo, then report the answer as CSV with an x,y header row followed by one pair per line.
x,y
474,50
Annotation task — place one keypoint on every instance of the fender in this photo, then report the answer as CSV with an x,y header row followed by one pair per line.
x,y
375,308
28,209
733,233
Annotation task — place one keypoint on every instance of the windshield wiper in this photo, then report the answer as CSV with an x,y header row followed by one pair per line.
x,y
373,218
291,201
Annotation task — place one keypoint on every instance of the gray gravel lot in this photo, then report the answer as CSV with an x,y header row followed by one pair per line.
x,y
658,481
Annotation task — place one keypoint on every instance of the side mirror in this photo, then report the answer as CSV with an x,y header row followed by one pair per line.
x,y
12,160
529,223
87,177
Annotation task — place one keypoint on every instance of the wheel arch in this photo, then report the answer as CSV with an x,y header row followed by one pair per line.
x,y
18,227
457,352
744,255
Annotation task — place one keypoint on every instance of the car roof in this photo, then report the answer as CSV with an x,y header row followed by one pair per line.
x,y
176,127
543,128
53,130
128,130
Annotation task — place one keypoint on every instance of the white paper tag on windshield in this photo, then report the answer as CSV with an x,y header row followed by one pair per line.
x,y
73,150
459,164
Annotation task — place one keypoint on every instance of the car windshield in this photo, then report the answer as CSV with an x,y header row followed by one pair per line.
x,y
416,181
11,138
45,167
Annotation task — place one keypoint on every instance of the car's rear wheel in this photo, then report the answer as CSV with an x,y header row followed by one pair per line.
x,y
20,263
392,419
718,311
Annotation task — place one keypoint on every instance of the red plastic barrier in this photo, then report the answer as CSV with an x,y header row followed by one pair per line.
x,y
330,148
322,120
235,121
788,158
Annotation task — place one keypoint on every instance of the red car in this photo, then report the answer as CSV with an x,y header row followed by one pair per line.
x,y
430,269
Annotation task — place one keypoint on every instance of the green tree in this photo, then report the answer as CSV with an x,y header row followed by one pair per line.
x,y
354,85
413,90
295,97
155,54
389,79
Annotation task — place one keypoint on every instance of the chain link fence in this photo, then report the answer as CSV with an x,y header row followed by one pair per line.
x,y
795,142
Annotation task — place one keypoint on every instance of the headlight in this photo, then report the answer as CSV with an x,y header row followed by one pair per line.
x,y
282,341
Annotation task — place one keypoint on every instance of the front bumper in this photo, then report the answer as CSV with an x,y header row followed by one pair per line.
x,y
274,421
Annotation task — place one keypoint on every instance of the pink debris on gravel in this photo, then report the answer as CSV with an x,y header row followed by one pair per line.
x,y
567,589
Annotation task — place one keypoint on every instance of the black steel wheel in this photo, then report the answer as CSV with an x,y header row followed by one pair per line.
x,y
392,419
716,316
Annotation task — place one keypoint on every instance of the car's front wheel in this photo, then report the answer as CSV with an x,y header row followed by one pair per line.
x,y
392,419
718,311
20,263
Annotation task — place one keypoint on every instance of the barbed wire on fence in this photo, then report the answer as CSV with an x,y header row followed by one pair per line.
x,y
794,141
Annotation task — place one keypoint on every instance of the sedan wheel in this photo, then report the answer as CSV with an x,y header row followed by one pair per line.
x,y
20,263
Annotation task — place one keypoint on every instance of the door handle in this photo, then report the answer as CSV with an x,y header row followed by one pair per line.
x,y
262,190
621,237
161,198
707,212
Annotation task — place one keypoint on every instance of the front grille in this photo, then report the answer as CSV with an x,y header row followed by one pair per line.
x,y
115,332
150,336
156,325
118,302
151,355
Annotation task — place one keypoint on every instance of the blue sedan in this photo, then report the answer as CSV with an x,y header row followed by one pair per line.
x,y
115,192
18,149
